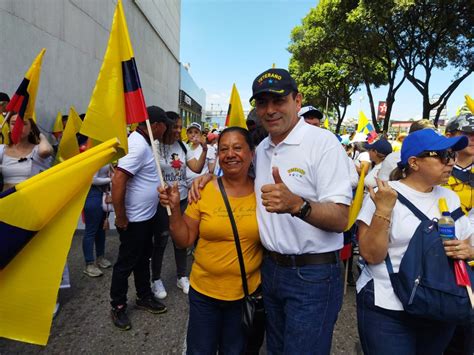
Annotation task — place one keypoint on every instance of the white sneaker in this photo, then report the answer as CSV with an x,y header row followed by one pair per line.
x,y
159,289
92,270
183,283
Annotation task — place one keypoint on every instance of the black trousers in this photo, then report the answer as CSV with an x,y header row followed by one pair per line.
x,y
160,237
134,256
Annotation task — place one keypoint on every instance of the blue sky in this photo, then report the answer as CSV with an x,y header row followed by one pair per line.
x,y
232,41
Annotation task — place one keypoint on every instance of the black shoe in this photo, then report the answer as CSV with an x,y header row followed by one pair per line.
x,y
120,318
151,305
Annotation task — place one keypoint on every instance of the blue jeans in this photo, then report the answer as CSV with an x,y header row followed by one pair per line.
x,y
94,218
301,304
214,325
388,332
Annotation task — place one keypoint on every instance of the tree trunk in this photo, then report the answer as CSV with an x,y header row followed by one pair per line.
x,y
372,109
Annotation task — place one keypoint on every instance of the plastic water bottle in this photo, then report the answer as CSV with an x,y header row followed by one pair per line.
x,y
446,226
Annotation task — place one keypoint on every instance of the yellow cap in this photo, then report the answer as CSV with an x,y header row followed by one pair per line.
x,y
443,206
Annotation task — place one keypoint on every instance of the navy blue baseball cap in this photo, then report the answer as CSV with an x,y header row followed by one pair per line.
x,y
382,146
428,140
275,81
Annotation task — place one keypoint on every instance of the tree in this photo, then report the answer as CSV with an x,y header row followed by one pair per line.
x,y
326,83
425,34
332,32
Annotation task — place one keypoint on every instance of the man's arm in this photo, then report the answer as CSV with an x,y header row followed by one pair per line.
x,y
119,186
329,216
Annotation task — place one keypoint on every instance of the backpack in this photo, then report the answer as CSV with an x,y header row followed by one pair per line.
x,y
426,283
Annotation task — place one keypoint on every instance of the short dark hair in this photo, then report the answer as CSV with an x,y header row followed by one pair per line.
x,y
245,133
4,97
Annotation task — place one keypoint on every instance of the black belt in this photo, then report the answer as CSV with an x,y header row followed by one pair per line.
x,y
302,259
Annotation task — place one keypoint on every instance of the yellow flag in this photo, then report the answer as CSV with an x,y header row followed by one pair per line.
x,y
117,98
326,123
184,136
364,126
469,103
235,113
39,241
4,139
33,75
23,101
356,205
68,146
58,123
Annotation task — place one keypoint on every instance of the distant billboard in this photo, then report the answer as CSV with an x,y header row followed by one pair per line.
x,y
381,111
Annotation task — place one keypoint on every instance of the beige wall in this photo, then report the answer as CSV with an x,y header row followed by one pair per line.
x,y
75,35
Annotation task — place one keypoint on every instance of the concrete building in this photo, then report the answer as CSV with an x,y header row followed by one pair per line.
x,y
75,34
192,99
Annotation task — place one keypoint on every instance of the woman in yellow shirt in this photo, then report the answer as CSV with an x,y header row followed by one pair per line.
x,y
216,292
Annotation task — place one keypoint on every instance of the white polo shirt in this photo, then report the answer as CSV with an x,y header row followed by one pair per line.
x,y
313,165
141,196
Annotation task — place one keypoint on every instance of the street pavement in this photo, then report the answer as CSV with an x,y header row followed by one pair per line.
x,y
83,324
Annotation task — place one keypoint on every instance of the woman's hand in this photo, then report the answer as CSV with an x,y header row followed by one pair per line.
x,y
458,249
169,196
384,199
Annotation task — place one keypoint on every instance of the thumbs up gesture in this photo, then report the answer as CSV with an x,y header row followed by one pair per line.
x,y
169,196
278,198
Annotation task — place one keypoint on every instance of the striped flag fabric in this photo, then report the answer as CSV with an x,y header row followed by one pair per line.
x,y
117,99
34,245
23,101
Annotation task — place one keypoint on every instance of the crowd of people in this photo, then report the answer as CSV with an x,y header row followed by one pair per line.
x,y
266,212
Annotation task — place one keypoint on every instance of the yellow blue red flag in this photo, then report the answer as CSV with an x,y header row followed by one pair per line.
x,y
34,245
117,99
23,101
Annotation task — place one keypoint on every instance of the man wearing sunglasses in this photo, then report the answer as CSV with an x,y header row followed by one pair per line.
x,y
461,181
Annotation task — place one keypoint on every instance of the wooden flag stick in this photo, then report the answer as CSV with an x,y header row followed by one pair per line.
x,y
471,297
5,119
346,274
157,159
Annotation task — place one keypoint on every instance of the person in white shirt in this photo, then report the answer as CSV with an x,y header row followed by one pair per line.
x,y
195,140
387,226
302,174
175,158
377,153
135,200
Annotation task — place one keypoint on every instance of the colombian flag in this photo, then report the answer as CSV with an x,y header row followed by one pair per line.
x,y
23,101
235,113
117,99
34,245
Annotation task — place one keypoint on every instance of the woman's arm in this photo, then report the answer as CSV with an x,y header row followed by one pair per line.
x,y
373,239
196,165
45,149
183,229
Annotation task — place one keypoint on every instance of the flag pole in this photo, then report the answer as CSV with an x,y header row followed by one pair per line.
x,y
157,159
5,119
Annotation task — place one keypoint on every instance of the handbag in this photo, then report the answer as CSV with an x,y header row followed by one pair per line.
x,y
253,312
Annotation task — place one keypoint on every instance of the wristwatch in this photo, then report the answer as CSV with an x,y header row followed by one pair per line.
x,y
304,211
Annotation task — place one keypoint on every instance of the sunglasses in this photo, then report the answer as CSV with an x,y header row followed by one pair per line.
x,y
443,155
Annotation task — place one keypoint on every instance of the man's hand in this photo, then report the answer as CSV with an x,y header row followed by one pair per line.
x,y
121,222
194,194
278,198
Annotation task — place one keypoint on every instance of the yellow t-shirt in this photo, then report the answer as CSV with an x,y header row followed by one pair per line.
x,y
216,271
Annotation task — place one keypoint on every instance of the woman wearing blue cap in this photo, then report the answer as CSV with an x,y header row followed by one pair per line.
x,y
387,227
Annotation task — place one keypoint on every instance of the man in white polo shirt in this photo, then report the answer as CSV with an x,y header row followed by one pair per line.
x,y
303,193
135,200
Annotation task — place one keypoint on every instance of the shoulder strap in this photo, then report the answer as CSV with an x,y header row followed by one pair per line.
x,y
183,147
457,213
236,237
421,216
